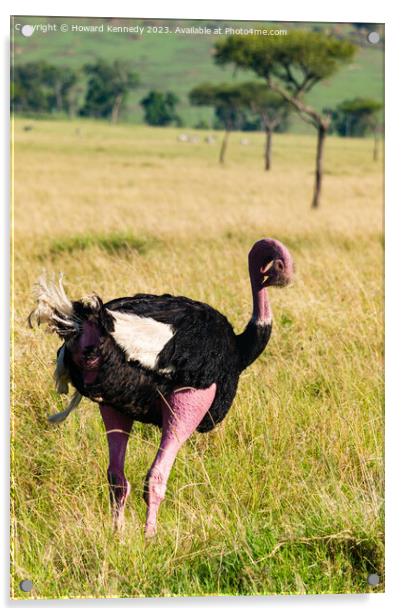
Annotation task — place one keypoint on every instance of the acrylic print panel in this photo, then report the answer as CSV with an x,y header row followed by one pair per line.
x,y
159,449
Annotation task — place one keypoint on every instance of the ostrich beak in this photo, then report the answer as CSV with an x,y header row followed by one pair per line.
x,y
266,268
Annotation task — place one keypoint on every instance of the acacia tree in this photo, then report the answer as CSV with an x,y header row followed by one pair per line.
x,y
358,117
270,107
229,104
291,65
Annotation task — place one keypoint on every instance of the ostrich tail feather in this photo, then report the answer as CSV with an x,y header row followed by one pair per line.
x,y
54,308
62,416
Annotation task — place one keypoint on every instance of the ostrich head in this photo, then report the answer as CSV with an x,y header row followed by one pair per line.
x,y
270,264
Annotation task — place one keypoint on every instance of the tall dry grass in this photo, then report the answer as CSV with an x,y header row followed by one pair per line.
x,y
286,496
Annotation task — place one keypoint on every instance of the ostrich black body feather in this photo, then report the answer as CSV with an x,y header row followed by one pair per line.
x,y
203,350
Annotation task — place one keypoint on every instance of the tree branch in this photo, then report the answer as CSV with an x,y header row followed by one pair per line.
x,y
313,116
272,123
291,77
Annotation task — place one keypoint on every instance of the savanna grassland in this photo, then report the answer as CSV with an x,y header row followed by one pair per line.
x,y
286,495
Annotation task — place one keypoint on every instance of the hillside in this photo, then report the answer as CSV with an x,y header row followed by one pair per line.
x,y
180,61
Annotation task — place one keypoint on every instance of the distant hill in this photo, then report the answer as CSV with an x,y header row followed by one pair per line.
x,y
177,62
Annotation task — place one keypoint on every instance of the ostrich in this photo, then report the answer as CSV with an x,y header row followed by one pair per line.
x,y
164,360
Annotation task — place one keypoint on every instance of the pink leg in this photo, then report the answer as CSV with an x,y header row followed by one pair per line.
x,y
118,428
182,413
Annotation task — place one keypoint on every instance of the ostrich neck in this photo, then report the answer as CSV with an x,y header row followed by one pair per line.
x,y
255,336
262,313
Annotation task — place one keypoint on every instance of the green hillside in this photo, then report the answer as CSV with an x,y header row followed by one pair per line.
x,y
180,61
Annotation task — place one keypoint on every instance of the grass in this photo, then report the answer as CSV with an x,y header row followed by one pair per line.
x,y
185,61
286,495
112,243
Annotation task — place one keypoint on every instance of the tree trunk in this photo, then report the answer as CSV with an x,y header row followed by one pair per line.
x,y
224,147
116,108
59,98
376,144
268,149
322,131
72,105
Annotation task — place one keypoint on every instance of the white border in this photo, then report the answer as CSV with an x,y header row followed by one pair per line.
x,y
224,9
292,10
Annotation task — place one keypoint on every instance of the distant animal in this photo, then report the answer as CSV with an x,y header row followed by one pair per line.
x,y
28,127
244,141
210,139
183,138
159,359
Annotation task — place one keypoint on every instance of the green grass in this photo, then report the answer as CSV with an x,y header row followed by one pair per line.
x,y
286,495
178,62
112,243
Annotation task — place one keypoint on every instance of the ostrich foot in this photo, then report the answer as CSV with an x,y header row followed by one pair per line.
x,y
153,494
150,531
118,509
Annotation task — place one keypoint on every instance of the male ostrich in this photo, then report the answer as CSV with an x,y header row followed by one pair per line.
x,y
169,361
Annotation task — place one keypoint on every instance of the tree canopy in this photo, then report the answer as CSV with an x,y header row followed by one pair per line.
x,y
41,87
108,85
228,100
299,60
269,106
356,117
160,108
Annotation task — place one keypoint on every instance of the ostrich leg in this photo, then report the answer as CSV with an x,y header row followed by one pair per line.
x,y
182,412
118,428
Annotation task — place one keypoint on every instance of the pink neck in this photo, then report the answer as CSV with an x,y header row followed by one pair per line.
x,y
261,305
